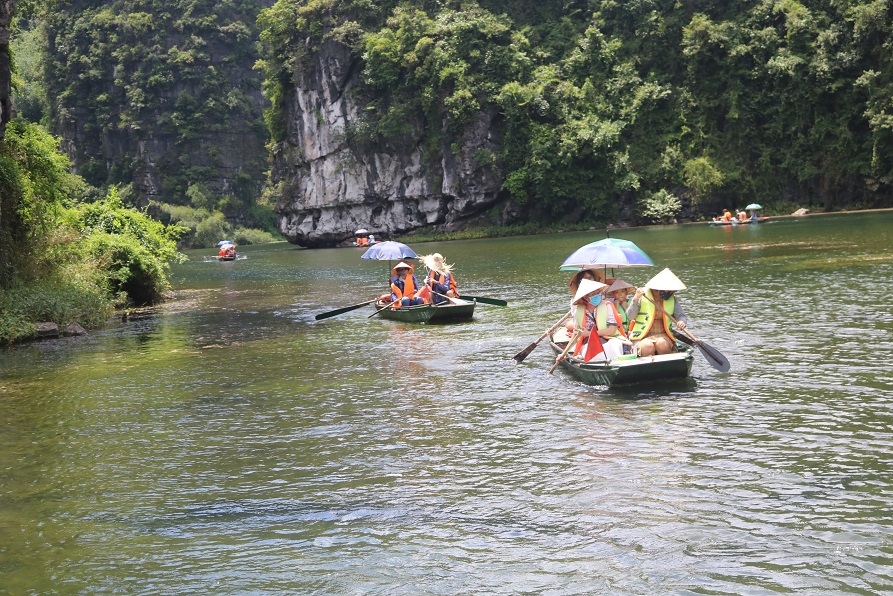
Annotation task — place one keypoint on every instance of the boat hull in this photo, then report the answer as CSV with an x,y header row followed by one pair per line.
x,y
461,310
630,370
424,313
407,314
738,223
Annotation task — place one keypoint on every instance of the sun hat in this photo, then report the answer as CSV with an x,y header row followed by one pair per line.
x,y
619,284
665,280
575,279
435,262
586,287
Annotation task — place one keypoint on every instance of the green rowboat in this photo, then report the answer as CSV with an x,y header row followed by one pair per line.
x,y
407,314
630,369
461,310
458,310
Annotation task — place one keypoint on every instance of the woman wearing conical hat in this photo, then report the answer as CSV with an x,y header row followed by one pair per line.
x,y
404,285
650,328
440,278
585,306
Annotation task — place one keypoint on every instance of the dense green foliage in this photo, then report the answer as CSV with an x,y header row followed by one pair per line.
x,y
64,259
623,110
159,98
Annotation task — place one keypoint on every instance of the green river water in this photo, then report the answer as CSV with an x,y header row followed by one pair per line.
x,y
230,443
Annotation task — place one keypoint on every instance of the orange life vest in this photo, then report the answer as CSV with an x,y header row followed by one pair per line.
x,y
441,277
408,290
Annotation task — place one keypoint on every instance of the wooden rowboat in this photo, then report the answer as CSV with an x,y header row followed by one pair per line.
x,y
629,369
454,312
738,223
462,310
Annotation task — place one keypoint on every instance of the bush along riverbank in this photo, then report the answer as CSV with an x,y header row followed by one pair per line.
x,y
64,259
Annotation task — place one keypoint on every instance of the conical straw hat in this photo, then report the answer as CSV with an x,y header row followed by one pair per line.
x,y
665,280
586,287
618,284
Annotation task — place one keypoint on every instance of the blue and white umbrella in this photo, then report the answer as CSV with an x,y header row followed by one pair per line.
x,y
609,253
389,251
222,242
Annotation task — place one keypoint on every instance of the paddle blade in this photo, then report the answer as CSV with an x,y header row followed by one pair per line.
x,y
520,356
713,356
485,300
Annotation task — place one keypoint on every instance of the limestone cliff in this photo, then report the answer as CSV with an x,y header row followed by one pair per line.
x,y
330,185
159,95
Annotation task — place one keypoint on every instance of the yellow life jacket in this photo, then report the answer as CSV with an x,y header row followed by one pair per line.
x,y
641,325
601,319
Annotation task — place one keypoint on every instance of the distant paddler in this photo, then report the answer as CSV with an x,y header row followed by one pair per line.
x,y
651,319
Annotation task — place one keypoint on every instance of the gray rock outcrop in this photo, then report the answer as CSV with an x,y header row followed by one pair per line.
x,y
330,186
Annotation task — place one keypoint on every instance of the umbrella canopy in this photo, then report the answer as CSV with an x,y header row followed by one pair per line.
x,y
361,231
614,253
222,242
389,251
754,206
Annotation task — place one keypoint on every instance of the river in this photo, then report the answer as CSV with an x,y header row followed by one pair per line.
x,y
230,443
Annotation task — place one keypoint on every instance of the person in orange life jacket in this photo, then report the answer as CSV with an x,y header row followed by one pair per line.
x,y
440,279
583,306
404,285
649,327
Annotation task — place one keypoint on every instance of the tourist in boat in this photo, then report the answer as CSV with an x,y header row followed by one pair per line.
x,y
593,274
227,251
652,304
404,285
583,306
362,241
440,280
753,215
618,294
742,216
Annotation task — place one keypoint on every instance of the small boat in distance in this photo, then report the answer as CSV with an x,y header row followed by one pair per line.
x,y
227,251
735,222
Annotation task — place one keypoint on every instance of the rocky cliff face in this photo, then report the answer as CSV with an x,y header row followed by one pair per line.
x,y
329,186
161,96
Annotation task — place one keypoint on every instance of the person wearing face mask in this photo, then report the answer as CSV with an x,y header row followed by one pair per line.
x,y
584,306
650,329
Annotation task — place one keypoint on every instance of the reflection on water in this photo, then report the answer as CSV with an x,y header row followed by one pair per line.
x,y
233,443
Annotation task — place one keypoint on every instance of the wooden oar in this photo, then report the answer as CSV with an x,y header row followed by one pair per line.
x,y
570,344
713,356
339,311
452,300
383,308
484,300
520,356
